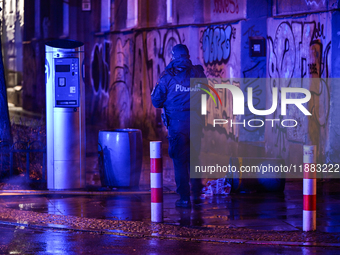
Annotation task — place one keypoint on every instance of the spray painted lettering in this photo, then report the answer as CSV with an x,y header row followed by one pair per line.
x,y
216,44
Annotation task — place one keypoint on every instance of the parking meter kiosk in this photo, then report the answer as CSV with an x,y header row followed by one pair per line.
x,y
65,114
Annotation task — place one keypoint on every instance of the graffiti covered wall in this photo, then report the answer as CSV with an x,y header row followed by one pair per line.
x,y
281,7
225,10
124,70
299,48
253,71
220,54
126,66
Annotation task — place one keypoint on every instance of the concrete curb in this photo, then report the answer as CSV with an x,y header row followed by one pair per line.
x,y
170,237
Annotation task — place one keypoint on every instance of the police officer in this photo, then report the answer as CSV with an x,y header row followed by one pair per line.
x,y
172,92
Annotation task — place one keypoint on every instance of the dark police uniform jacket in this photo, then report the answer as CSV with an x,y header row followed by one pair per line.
x,y
172,91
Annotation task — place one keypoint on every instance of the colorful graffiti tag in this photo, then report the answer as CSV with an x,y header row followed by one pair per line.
x,y
300,49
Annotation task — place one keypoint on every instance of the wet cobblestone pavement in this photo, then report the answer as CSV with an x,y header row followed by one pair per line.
x,y
148,229
234,218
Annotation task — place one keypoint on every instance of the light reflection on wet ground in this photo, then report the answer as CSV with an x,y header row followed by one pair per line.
x,y
282,211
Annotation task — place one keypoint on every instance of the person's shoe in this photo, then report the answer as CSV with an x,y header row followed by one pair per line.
x,y
183,203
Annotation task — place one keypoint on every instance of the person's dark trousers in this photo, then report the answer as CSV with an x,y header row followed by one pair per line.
x,y
179,151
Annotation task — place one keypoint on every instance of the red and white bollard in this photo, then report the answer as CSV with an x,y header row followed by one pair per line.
x,y
156,179
309,187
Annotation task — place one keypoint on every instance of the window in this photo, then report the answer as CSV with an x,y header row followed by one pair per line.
x,y
169,11
37,23
112,25
132,13
105,17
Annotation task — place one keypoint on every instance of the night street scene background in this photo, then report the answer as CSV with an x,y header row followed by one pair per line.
x,y
77,123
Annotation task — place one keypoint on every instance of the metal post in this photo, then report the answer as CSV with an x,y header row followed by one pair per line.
x,y
309,188
156,179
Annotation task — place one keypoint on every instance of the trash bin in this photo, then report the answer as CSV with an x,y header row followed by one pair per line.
x,y
120,154
256,181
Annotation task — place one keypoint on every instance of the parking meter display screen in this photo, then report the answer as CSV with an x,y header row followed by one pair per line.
x,y
66,82
62,68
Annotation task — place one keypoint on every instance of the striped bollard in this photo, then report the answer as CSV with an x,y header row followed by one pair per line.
x,y
156,179
309,188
